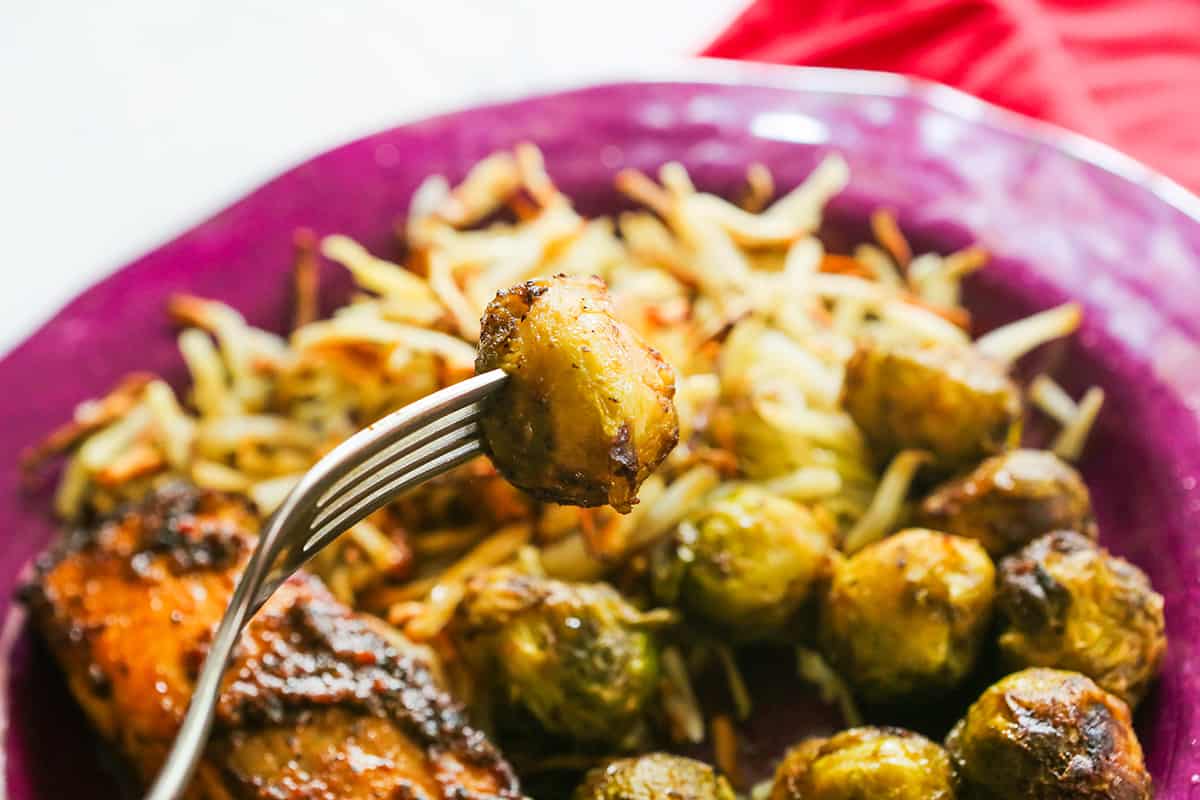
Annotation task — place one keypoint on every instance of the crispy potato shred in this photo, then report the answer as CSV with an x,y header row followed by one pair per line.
x,y
757,319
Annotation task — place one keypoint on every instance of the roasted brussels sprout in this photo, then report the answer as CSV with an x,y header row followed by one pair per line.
x,y
952,402
744,564
905,617
654,776
875,763
1066,603
1011,499
575,656
587,412
1044,734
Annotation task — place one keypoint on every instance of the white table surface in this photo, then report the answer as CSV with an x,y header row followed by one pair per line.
x,y
124,122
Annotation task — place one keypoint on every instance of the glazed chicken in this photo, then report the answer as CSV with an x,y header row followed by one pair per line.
x,y
319,703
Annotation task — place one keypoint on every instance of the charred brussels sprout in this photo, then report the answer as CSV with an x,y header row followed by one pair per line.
x,y
952,402
1011,499
905,617
1066,603
574,656
1043,734
875,763
744,564
655,776
587,412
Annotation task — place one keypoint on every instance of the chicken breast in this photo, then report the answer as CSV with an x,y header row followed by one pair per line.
x,y
320,702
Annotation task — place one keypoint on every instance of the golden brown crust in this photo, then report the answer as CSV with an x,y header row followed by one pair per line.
x,y
1045,734
748,564
654,776
867,762
1011,499
129,607
573,656
905,618
587,413
1066,603
951,402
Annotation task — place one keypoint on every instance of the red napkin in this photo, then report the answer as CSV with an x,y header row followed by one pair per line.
x,y
1126,72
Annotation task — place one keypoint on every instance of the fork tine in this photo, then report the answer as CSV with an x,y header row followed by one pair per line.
x,y
397,448
450,453
340,465
408,453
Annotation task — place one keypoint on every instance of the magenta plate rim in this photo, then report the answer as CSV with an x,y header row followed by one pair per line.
x,y
1067,217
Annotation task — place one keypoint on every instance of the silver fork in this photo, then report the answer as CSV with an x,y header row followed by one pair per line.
x,y
362,474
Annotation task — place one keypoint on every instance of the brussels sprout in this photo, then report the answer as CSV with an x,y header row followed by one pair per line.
x,y
744,564
1011,499
875,763
587,412
905,617
1066,603
952,402
575,656
654,776
1044,734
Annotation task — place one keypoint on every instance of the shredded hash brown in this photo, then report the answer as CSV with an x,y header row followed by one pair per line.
x,y
755,315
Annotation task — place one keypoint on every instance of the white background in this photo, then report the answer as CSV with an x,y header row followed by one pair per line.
x,y
123,122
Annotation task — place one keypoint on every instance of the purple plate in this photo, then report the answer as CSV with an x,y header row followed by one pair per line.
x,y
1065,217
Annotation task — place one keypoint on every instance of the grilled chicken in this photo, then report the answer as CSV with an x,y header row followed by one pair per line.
x,y
320,703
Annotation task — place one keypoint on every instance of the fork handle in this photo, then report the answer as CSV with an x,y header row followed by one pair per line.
x,y
177,771
275,557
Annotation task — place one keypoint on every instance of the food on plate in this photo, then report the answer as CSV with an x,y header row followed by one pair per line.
x,y
128,606
577,657
1011,499
1046,734
1065,602
754,410
744,564
905,618
953,402
867,762
654,776
586,413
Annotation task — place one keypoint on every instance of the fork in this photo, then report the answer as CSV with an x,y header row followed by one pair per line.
x,y
360,475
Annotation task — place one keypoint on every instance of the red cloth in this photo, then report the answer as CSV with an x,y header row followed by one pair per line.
x,y
1126,72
